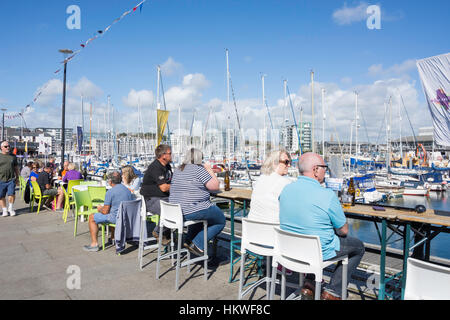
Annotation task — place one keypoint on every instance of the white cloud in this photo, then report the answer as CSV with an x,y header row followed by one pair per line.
x,y
171,67
396,70
49,91
144,98
349,15
86,88
189,94
196,81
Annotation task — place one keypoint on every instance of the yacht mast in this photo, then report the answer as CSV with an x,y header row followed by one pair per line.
x,y
312,112
323,123
158,103
284,128
356,125
228,111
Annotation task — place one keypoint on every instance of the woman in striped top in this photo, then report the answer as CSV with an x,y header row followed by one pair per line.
x,y
190,187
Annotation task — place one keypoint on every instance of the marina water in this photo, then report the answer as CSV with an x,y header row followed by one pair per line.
x,y
440,245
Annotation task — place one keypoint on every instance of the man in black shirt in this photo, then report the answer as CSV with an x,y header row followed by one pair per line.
x,y
156,183
44,182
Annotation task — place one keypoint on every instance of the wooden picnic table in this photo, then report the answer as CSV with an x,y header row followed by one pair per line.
x,y
391,217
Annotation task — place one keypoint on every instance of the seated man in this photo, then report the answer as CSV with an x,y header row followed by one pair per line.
x,y
156,184
44,182
308,208
108,212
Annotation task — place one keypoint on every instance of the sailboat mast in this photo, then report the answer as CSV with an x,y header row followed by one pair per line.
x,y
179,134
228,105
90,130
400,125
82,114
264,103
323,123
158,103
356,125
109,128
284,114
312,112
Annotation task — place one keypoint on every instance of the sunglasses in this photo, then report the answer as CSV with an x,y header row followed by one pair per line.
x,y
286,162
5,146
323,166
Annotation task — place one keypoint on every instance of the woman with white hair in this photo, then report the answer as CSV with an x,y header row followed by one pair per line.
x,y
191,185
264,202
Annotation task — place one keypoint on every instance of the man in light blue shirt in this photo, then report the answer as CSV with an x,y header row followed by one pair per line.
x,y
108,212
308,208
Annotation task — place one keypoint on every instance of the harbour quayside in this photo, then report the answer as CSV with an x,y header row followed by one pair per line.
x,y
384,142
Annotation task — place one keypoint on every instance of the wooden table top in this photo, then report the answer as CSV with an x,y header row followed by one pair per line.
x,y
428,217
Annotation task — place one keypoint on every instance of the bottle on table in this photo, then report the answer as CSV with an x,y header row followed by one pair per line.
x,y
351,191
226,181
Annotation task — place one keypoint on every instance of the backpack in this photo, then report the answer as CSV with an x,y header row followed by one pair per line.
x,y
27,193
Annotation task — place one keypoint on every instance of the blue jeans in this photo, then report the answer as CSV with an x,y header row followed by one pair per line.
x,y
104,218
354,249
7,188
216,222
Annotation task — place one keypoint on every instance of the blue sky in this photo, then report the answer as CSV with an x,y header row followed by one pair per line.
x,y
282,39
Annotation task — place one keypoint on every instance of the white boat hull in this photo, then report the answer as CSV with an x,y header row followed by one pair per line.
x,y
415,192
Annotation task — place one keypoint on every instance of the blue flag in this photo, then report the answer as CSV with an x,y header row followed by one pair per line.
x,y
80,138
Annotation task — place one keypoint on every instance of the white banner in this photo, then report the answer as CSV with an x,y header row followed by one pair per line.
x,y
435,76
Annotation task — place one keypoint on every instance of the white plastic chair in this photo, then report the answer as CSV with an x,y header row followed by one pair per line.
x,y
426,281
303,253
172,218
142,237
259,238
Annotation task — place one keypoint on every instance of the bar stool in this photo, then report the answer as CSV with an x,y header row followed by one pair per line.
x,y
303,253
172,218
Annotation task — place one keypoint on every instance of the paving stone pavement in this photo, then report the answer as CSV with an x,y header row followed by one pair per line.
x,y
38,249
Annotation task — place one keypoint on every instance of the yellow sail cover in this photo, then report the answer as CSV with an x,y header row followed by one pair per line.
x,y
163,116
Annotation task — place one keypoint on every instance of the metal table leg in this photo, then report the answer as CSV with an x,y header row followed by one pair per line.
x,y
382,289
405,256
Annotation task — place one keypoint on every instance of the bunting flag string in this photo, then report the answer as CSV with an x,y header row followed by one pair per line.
x,y
13,115
98,34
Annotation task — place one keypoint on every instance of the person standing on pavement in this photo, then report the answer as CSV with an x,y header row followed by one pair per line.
x,y
9,178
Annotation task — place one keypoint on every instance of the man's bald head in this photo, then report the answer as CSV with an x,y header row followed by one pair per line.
x,y
307,162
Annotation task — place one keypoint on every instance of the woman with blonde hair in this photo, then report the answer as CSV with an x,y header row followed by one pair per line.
x,y
130,179
264,203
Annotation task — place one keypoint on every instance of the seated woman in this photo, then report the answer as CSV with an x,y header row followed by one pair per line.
x,y
64,170
72,174
265,205
130,179
190,187
34,173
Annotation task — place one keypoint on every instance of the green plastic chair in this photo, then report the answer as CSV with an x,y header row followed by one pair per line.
x,y
97,194
22,186
103,226
66,204
36,195
71,184
83,207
